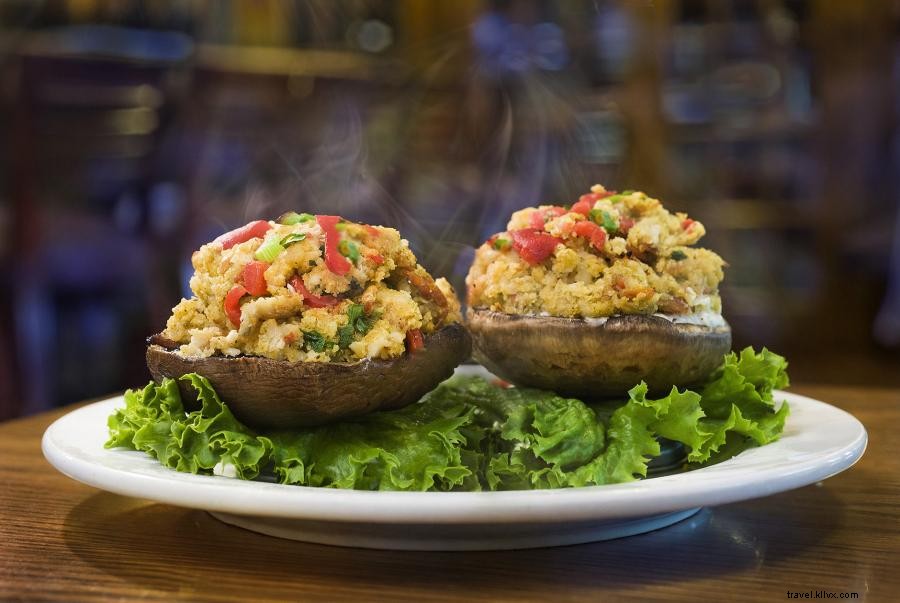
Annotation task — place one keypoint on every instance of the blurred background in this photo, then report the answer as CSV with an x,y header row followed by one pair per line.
x,y
131,132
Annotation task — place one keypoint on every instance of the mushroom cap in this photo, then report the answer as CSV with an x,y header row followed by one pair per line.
x,y
592,359
276,394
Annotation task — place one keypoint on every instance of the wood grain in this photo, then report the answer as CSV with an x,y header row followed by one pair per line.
x,y
60,540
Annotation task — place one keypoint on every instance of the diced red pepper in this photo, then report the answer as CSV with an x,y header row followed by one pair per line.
x,y
583,206
376,258
590,199
243,234
539,217
533,245
585,203
313,301
291,338
372,230
686,223
233,304
414,341
334,261
253,277
625,224
592,232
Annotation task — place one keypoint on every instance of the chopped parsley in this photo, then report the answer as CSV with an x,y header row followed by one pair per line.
x,y
315,341
501,244
345,336
678,255
357,322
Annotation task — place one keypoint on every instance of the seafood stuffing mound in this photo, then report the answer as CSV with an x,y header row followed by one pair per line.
x,y
609,253
309,288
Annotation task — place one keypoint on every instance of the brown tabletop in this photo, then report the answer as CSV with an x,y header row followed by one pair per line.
x,y
66,541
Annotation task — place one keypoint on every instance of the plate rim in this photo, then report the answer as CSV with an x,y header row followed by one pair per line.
x,y
149,480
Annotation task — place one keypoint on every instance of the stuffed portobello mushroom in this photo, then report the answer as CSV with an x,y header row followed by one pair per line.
x,y
310,319
589,300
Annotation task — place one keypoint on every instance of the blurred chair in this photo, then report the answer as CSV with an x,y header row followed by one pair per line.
x,y
93,104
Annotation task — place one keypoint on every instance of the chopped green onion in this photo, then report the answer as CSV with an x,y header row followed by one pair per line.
x,y
269,250
349,249
605,220
340,226
616,198
678,255
501,244
292,238
628,192
609,223
290,218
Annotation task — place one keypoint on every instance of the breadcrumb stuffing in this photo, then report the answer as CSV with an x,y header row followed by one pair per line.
x,y
642,262
365,313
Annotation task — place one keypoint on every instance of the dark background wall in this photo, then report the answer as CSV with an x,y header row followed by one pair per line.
x,y
131,132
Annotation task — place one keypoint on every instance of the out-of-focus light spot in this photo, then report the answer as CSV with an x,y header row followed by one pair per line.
x,y
146,95
127,213
685,104
614,41
133,121
124,42
781,24
550,47
505,47
166,208
374,36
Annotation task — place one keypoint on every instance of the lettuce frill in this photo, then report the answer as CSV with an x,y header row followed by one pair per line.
x,y
468,434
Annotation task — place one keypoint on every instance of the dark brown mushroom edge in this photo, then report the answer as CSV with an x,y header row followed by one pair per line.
x,y
592,359
277,394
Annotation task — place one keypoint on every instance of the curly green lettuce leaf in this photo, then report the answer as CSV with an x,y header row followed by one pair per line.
x,y
468,434
420,449
746,380
154,421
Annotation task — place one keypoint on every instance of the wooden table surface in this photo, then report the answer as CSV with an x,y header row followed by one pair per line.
x,y
61,540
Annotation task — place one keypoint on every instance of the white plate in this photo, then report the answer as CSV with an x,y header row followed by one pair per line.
x,y
819,441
